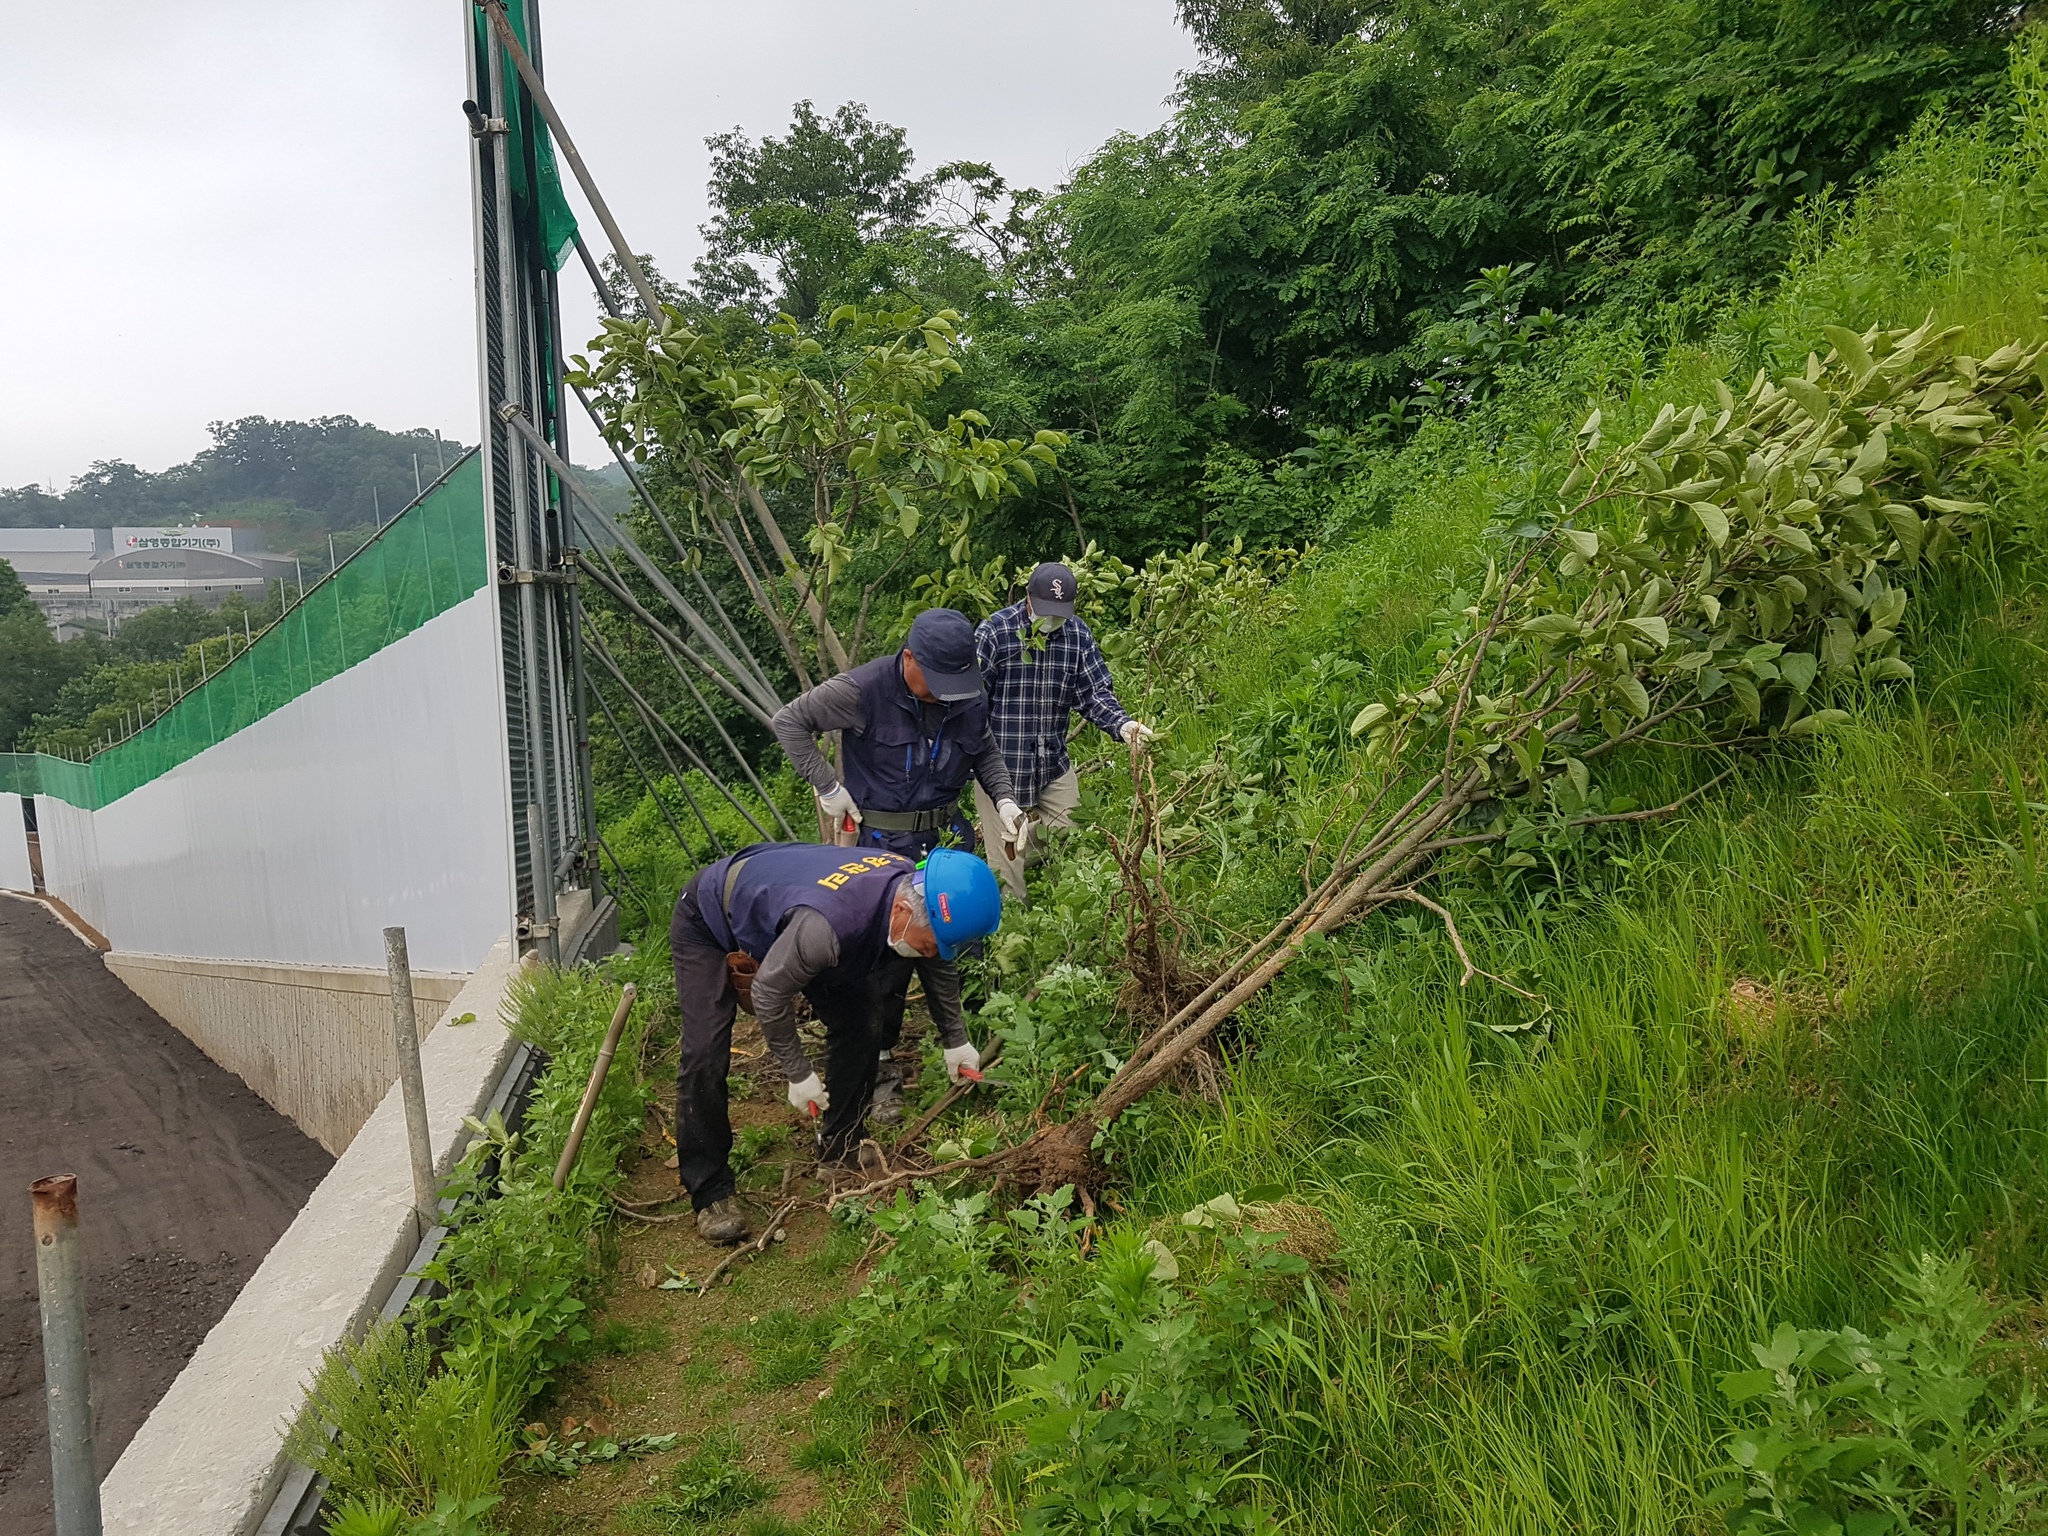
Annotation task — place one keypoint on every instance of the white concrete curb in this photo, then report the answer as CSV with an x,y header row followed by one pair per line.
x,y
210,1457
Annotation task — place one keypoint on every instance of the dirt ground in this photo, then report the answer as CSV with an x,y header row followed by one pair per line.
x,y
185,1178
735,1372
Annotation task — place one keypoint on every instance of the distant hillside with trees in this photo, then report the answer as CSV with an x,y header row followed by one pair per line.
x,y
300,479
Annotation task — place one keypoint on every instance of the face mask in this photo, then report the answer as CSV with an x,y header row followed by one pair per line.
x,y
1045,623
901,914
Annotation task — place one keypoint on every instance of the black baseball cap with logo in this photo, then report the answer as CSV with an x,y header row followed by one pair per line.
x,y
1052,591
943,643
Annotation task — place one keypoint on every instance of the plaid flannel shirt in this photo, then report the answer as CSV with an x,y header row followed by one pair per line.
x,y
1032,693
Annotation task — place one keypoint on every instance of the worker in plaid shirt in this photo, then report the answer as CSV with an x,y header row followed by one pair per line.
x,y
1039,664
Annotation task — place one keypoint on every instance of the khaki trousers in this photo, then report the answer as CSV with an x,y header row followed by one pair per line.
x,y
1055,808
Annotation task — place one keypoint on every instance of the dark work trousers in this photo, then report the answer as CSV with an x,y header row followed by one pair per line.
x,y
912,845
853,1015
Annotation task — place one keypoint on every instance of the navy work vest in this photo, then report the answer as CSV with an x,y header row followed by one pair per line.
x,y
852,889
891,762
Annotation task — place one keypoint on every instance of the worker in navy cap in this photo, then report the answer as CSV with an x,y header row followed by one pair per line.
x,y
841,926
913,730
1040,663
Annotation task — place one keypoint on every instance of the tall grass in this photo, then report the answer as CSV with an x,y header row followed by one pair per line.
x,y
1798,1032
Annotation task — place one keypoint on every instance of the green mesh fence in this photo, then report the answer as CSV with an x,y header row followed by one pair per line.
x,y
428,558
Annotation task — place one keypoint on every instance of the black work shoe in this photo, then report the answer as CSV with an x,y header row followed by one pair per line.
x,y
723,1222
886,1108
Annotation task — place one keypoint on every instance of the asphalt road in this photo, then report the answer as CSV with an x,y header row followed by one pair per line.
x,y
185,1180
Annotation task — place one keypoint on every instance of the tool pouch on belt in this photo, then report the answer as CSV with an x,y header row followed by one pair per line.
x,y
741,967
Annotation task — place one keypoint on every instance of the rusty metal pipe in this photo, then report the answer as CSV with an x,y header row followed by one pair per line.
x,y
67,1384
412,1082
598,1073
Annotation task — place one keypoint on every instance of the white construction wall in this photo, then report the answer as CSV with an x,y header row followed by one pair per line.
x,y
71,860
376,798
244,893
15,874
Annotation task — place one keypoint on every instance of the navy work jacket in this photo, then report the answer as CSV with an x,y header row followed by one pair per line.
x,y
851,888
893,763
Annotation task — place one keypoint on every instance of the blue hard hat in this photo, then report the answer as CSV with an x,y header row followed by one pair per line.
x,y
961,898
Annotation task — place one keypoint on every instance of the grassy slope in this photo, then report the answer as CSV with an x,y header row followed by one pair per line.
x,y
1795,1032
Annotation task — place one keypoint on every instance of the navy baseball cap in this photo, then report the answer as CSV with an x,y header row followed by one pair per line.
x,y
943,643
1052,591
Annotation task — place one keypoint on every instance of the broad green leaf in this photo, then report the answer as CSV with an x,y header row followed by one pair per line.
x,y
1741,1386
1798,668
1820,720
1368,717
1713,522
1630,687
1811,398
1851,347
1745,695
1584,540
1652,629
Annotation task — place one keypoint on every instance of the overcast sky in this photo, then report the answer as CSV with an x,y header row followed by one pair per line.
x,y
225,208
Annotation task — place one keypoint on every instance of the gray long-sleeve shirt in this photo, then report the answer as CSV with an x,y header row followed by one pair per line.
x,y
806,948
834,705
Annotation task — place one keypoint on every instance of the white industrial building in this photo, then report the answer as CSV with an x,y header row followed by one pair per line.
x,y
100,576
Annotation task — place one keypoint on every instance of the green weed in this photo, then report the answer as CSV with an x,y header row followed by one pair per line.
x,y
707,1488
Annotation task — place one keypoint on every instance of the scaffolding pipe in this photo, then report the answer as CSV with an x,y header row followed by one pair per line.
x,y
616,587
67,1371
604,522
654,794
651,718
502,25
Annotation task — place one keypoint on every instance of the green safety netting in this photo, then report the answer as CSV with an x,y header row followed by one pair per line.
x,y
557,223
428,558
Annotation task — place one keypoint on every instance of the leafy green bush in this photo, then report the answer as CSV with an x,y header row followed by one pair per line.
x,y
1926,1428
1129,1418
423,1412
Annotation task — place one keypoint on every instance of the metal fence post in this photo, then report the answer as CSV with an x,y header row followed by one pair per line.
x,y
405,1026
67,1384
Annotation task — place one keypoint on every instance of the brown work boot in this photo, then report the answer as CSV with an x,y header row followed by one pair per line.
x,y
723,1222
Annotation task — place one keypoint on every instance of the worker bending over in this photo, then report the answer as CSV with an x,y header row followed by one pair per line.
x,y
831,923
1039,664
914,728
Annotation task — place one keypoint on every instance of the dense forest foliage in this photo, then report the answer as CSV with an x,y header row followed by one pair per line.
x,y
1222,313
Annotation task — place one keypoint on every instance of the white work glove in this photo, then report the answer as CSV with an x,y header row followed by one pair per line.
x,y
838,804
1136,733
958,1056
809,1097
1014,821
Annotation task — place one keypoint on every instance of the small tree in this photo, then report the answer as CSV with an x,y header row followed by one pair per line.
x,y
833,429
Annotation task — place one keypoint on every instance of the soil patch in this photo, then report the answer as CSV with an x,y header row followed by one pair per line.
x,y
735,1372
185,1180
